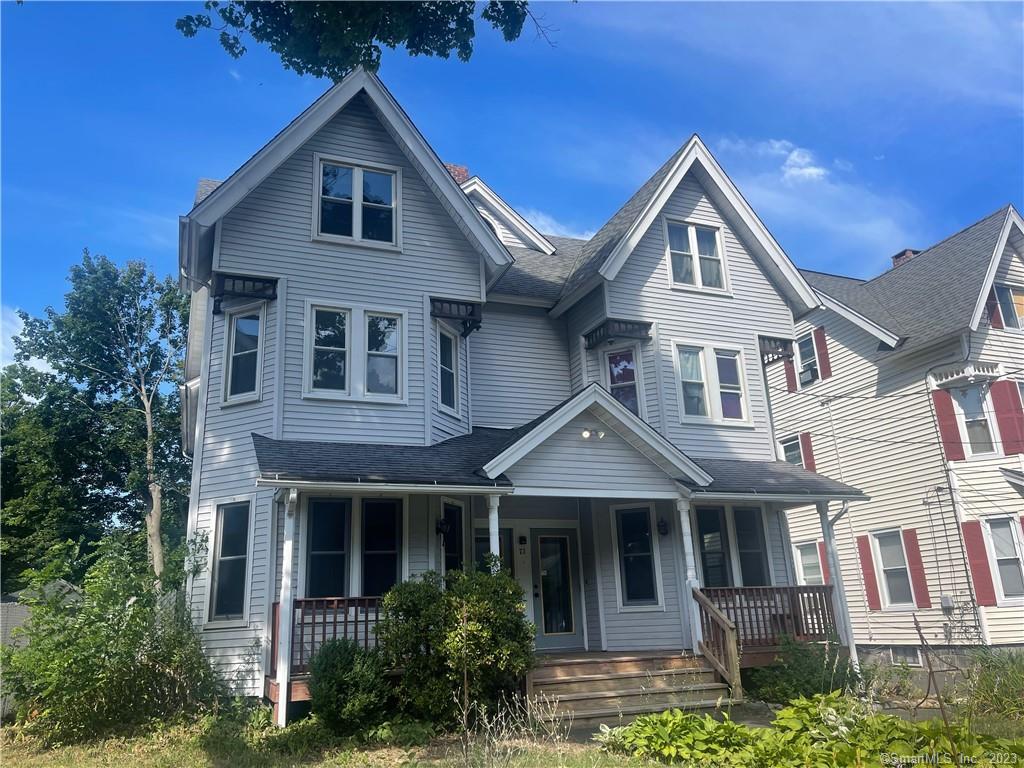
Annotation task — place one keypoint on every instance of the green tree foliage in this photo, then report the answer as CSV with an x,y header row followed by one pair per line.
x,y
116,352
330,39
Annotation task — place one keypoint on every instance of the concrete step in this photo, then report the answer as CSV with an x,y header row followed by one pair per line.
x,y
610,681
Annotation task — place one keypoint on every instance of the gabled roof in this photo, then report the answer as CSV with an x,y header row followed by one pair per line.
x,y
214,204
606,252
524,230
935,295
536,275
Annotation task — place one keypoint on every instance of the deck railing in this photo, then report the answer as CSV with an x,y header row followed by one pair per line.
x,y
720,645
763,615
317,620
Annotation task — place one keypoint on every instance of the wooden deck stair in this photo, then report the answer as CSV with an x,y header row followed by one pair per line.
x,y
609,687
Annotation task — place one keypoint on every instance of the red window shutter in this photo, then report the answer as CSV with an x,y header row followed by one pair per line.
x,y
995,316
1009,415
977,559
821,349
790,375
916,567
949,430
867,567
807,451
823,557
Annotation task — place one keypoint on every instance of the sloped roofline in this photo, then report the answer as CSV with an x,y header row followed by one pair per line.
x,y
513,219
695,151
258,167
594,394
1013,219
845,311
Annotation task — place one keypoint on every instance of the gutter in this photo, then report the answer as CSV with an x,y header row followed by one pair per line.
x,y
362,486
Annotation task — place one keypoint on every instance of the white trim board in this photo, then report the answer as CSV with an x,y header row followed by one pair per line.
x,y
845,312
512,219
1012,219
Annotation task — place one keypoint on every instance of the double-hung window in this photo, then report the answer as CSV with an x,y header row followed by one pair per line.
x,y
636,545
711,384
695,256
356,203
791,451
330,350
383,353
328,547
1011,305
809,563
750,546
448,369
242,381
895,576
622,378
354,353
1007,556
971,403
382,545
807,372
231,556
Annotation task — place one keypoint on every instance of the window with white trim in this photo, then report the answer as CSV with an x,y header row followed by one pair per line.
x,y
905,654
623,378
1011,305
356,203
695,255
383,354
893,570
448,369
330,350
245,337
791,451
807,359
230,560
977,427
1007,555
751,547
327,548
711,392
808,562
635,538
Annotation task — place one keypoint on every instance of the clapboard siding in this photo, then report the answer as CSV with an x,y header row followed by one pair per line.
x,y
506,235
584,316
642,290
443,423
518,365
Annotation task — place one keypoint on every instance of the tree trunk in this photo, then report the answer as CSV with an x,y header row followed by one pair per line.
x,y
154,542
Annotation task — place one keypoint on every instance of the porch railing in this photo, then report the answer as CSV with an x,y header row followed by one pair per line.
x,y
314,621
763,615
720,645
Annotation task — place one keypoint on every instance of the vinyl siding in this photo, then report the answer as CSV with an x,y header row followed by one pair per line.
x,y
506,235
642,290
518,365
443,423
583,317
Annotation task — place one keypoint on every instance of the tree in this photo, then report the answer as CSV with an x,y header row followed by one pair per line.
x,y
330,39
118,344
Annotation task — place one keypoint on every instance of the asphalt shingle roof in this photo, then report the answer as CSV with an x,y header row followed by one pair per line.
x,y
538,275
768,477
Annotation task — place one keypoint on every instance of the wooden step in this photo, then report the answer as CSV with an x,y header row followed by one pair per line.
x,y
626,715
647,680
554,668
584,704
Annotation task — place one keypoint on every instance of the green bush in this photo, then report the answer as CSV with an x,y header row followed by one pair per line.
x,y
121,655
801,669
830,730
995,684
348,686
467,636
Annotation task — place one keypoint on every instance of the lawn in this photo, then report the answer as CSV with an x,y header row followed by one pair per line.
x,y
198,746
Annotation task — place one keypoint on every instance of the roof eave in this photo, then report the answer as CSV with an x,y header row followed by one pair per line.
x,y
1012,219
845,311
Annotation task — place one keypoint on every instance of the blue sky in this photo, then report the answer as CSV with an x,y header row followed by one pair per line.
x,y
855,130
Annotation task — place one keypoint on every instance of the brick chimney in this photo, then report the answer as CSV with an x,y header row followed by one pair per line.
x,y
904,256
459,172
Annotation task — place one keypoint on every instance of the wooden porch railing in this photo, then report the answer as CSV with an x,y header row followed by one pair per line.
x,y
317,620
762,615
720,645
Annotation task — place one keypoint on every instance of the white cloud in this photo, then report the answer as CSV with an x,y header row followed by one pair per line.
x,y
11,326
235,74
549,225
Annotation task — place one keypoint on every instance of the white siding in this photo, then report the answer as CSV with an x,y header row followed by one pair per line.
x,y
583,317
518,365
443,423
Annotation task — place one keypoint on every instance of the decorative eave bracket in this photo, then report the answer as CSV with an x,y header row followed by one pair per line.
x,y
468,313
614,329
773,349
244,287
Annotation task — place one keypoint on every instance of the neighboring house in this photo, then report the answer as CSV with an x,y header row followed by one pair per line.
x,y
909,386
389,373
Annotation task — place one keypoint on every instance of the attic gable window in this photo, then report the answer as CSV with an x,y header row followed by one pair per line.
x,y
695,256
356,203
1011,305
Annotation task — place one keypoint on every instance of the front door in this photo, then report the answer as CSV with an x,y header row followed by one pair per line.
x,y
556,588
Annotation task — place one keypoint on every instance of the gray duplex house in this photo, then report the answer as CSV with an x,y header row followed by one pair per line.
x,y
391,371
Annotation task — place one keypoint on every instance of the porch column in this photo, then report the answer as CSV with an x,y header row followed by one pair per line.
x,y
838,590
492,524
286,599
690,560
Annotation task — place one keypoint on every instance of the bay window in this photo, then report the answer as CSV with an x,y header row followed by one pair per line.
x,y
356,203
694,256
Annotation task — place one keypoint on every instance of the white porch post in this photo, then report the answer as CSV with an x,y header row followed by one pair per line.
x,y
838,590
492,524
286,600
690,560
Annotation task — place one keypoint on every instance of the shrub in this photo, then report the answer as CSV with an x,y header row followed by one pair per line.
x,y
468,636
995,684
121,655
802,669
348,686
